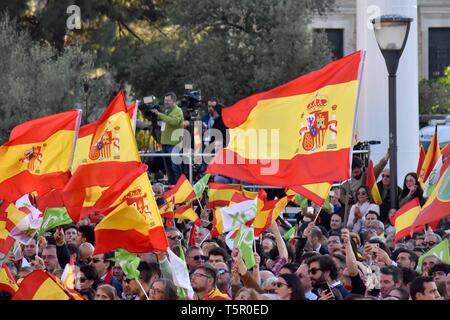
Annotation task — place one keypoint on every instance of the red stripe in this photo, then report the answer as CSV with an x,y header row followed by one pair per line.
x,y
5,245
13,188
41,129
223,186
402,233
339,71
30,285
404,209
130,240
217,203
309,194
315,168
87,129
116,106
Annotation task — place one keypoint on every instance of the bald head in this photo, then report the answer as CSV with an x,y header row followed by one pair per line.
x,y
86,252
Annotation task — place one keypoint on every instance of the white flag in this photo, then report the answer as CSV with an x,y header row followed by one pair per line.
x,y
180,273
238,214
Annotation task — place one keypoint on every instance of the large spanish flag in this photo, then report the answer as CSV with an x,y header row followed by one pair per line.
x,y
404,218
296,134
106,151
220,194
38,155
40,285
182,192
135,223
432,156
7,281
372,184
437,206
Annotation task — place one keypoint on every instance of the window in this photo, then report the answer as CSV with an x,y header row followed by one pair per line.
x,y
336,39
438,51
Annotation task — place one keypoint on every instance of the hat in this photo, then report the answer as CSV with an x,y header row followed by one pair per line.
x,y
373,208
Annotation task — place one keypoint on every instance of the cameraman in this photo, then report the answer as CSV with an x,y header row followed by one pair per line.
x,y
172,119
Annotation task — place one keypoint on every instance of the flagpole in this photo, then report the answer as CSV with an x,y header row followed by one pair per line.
x,y
142,288
203,240
318,212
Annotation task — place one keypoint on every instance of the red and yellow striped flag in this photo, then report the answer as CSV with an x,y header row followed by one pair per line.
x,y
421,159
219,194
372,184
306,123
268,213
135,223
182,191
40,285
404,218
38,155
7,281
432,156
316,192
106,151
187,213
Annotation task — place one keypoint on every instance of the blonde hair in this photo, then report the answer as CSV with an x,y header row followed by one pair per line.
x,y
252,293
206,247
109,290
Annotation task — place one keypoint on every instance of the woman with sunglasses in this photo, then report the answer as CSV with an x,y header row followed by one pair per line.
x,y
289,287
87,281
360,209
163,289
411,190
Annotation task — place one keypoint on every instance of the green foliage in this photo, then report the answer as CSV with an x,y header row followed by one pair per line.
x,y
37,80
434,95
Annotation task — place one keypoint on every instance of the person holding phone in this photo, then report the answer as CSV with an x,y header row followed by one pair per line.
x,y
324,277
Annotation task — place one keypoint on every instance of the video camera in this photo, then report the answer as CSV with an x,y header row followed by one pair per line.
x,y
191,101
147,107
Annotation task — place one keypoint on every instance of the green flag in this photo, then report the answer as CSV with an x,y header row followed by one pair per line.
x,y
129,263
289,234
54,217
440,250
244,240
300,201
201,184
326,205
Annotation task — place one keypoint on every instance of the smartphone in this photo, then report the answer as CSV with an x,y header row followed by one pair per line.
x,y
326,287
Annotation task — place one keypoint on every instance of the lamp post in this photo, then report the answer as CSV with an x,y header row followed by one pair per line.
x,y
391,32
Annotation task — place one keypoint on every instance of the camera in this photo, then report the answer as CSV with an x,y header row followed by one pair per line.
x,y
147,107
191,101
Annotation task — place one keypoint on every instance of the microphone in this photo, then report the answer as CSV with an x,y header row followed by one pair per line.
x,y
374,142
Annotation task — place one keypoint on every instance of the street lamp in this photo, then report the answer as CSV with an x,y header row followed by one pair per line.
x,y
391,32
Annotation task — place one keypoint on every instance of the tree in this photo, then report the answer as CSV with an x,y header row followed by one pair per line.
x,y
434,95
37,80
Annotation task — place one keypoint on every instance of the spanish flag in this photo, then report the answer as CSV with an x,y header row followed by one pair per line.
x,y
7,281
219,194
40,285
268,213
404,218
229,218
316,192
187,213
437,206
421,159
372,184
106,151
135,223
432,156
38,155
6,241
132,113
296,134
182,191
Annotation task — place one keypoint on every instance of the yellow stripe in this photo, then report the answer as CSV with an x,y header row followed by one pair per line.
x,y
6,280
92,195
189,214
406,219
121,148
183,192
49,290
56,154
3,232
124,218
292,112
219,220
250,194
221,194
14,214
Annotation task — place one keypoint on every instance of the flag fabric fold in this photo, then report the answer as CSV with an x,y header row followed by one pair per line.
x,y
228,218
220,194
40,285
431,157
182,192
403,219
372,184
7,281
187,213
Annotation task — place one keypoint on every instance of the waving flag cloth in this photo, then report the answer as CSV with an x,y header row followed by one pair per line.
x,y
7,281
317,192
436,172
403,219
38,155
40,285
132,113
437,206
421,159
106,151
306,123
134,224
220,194
182,191
268,213
372,184
432,156
187,213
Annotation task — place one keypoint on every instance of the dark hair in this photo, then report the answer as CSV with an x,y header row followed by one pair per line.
x,y
107,256
440,267
340,258
369,195
382,245
357,163
89,293
326,263
404,295
172,95
70,226
88,233
418,286
170,290
308,255
412,255
217,251
209,270
73,249
394,271
293,282
192,248
419,190
91,274
148,270
292,267
408,275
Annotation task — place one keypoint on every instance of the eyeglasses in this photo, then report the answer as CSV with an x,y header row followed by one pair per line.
x,y
314,270
82,280
175,238
199,257
195,275
156,290
430,244
385,176
280,284
222,271
362,193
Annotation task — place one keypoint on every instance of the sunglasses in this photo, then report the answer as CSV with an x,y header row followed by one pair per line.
x,y
200,257
82,280
314,270
385,175
175,238
280,284
431,243
194,275
222,271
126,280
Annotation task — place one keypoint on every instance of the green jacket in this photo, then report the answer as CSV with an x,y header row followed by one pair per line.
x,y
173,120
